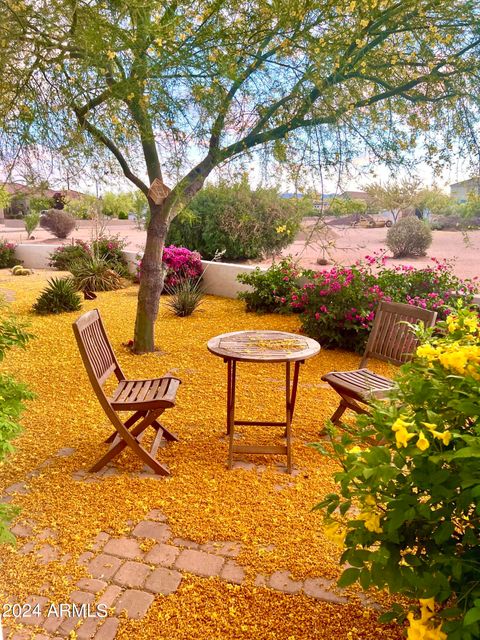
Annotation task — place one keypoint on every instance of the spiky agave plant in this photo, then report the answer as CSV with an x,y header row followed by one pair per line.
x,y
94,273
185,297
59,295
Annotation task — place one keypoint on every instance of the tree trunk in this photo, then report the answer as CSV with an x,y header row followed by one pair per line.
x,y
151,280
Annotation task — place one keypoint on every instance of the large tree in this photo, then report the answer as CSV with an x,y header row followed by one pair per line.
x,y
174,89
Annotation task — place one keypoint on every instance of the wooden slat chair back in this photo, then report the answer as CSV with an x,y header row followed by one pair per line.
x,y
148,399
391,340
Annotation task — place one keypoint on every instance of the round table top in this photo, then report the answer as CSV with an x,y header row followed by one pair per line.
x,y
263,346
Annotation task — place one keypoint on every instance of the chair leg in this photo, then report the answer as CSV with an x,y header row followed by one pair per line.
x,y
129,438
131,421
342,407
168,435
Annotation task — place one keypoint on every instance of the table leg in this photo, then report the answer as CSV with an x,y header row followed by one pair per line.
x,y
288,414
232,370
290,398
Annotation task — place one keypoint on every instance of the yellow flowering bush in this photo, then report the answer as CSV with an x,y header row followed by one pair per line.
x,y
408,508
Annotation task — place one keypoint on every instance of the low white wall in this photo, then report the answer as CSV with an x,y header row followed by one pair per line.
x,y
219,277
35,256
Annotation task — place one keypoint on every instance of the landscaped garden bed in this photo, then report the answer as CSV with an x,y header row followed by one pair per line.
x,y
68,514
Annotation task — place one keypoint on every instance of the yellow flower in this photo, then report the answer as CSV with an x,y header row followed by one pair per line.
x,y
130,96
400,423
402,437
470,323
422,442
427,608
355,449
427,351
111,55
444,436
430,426
372,522
281,229
335,532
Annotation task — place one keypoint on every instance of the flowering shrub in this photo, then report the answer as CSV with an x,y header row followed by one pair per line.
x,y
110,249
107,248
338,305
181,264
62,257
7,254
271,288
408,508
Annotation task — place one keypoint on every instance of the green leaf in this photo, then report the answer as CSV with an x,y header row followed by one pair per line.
x,y
348,577
472,616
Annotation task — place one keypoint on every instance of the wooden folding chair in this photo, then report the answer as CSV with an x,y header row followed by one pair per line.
x,y
147,399
390,340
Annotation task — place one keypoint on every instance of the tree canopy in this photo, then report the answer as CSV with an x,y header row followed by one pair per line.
x,y
173,90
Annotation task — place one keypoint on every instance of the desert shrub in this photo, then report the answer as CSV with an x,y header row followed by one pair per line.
x,y
338,305
59,223
31,222
409,237
39,203
123,215
114,204
92,273
59,296
13,394
58,200
62,257
181,264
270,288
110,249
18,207
241,222
7,254
406,511
83,208
185,297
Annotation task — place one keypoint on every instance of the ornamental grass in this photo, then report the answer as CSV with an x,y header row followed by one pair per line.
x,y
267,511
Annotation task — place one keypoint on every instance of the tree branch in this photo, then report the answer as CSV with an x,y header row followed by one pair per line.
x,y
104,139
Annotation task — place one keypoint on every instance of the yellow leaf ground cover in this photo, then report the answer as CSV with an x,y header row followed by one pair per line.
x,y
268,511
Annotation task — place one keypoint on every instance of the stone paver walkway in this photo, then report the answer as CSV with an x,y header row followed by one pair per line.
x,y
124,579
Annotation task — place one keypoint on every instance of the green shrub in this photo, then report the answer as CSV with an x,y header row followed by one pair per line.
x,y
39,203
18,207
31,222
62,257
59,223
110,249
7,254
58,296
407,508
83,208
337,305
13,394
92,273
241,222
409,237
123,215
270,288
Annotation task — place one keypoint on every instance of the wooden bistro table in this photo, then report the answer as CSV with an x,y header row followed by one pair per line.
x,y
262,346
